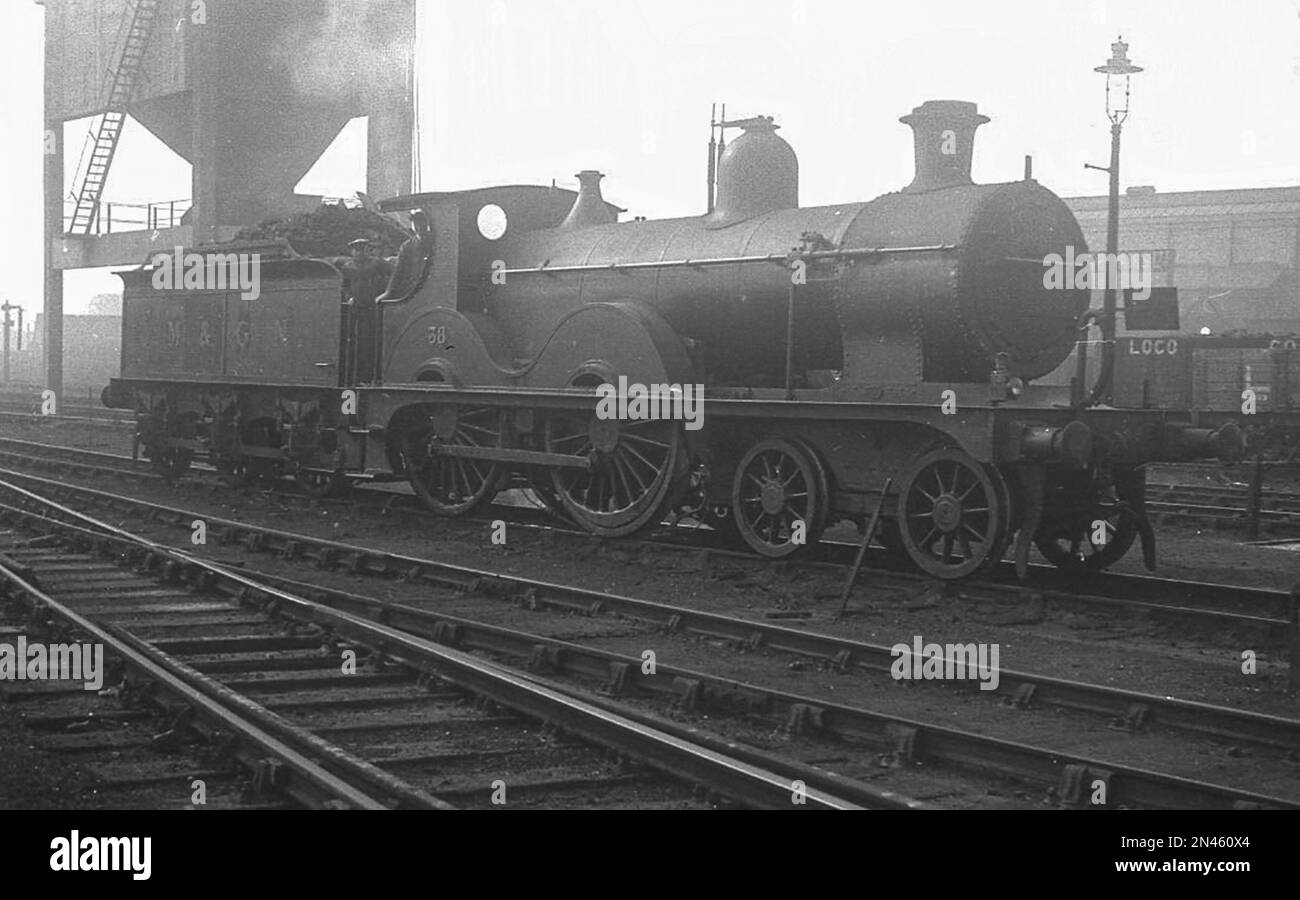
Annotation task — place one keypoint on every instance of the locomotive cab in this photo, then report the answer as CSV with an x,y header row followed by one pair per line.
x,y
444,330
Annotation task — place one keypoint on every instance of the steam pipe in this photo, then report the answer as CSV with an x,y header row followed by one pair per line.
x,y
781,259
1071,444
713,154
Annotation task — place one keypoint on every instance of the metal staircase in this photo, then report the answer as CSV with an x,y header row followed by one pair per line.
x,y
138,20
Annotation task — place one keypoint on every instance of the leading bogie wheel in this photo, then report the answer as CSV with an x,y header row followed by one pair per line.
x,y
952,514
779,497
1091,544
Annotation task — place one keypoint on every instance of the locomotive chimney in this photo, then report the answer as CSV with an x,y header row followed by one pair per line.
x,y
590,207
944,135
757,173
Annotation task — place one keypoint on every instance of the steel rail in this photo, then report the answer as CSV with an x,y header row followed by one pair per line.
x,y
72,457
1137,710
1161,593
106,421
1261,608
1160,489
1205,511
71,453
340,762
749,784
1249,605
1130,706
317,780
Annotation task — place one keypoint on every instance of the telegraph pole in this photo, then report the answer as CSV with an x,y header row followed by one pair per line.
x,y
8,326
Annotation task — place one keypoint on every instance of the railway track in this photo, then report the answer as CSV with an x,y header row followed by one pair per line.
x,y
1263,614
29,412
902,738
1223,506
1221,495
416,724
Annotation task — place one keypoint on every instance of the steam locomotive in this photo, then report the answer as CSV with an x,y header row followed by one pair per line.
x,y
849,359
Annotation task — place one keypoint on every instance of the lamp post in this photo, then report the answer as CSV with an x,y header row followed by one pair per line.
x,y
1118,70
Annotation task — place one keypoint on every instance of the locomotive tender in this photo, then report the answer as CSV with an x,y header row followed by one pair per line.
x,y
838,347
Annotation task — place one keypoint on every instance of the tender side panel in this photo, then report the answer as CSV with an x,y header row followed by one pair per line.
x,y
204,323
287,335
175,333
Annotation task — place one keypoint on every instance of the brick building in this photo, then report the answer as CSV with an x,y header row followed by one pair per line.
x,y
1232,254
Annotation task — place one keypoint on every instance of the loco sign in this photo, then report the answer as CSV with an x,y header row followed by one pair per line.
x,y
1149,346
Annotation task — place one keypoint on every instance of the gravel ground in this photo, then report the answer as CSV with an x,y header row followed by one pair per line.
x,y
33,779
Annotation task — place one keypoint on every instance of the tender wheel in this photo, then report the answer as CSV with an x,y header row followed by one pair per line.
x,y
1091,543
633,465
320,484
171,462
778,484
454,485
953,513
262,471
235,472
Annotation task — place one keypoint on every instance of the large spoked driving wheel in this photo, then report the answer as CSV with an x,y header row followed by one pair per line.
x,y
953,514
1089,543
779,497
454,485
632,466
542,488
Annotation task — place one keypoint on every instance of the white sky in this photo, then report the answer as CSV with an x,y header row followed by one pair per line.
x,y
530,90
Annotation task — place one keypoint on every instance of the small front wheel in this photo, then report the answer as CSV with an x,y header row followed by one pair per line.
x,y
1090,545
952,514
779,497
